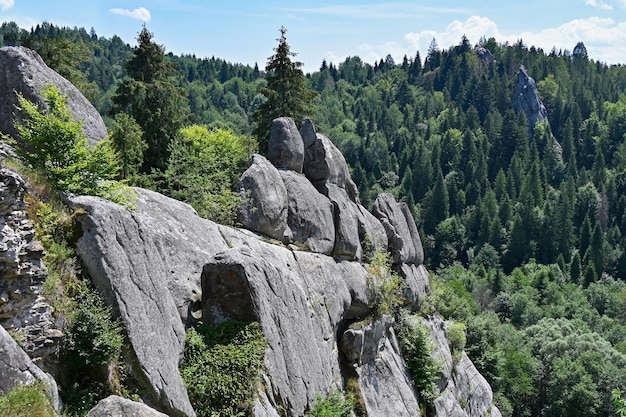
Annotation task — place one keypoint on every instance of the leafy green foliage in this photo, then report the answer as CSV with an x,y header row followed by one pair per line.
x,y
335,405
203,170
456,337
416,346
221,367
383,285
26,401
93,338
287,93
55,146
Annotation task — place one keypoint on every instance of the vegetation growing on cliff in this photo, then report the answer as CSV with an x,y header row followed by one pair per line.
x,y
526,239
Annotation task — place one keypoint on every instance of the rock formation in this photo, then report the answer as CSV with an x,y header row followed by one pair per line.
x,y
23,309
114,406
162,266
24,72
526,99
16,368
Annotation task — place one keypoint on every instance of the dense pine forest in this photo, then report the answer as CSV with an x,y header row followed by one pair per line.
x,y
524,227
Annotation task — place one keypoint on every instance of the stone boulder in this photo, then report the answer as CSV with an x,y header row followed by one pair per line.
x,y
16,368
265,200
24,72
310,214
147,263
463,391
526,99
324,163
405,243
114,406
374,354
286,148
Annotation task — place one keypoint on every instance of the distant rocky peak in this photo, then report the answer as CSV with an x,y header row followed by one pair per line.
x,y
526,98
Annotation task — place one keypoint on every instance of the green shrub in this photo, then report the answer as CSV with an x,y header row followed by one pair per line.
x,y
456,337
55,146
335,405
416,347
221,367
383,285
26,401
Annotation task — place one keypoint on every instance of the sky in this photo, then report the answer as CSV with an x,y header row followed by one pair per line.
x,y
246,31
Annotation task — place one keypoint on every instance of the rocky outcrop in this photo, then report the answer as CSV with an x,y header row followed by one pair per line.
x,y
147,262
405,243
285,148
23,309
24,72
114,406
16,368
162,266
526,99
318,210
463,392
373,353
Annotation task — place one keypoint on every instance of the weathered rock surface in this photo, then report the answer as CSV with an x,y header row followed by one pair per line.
x,y
324,163
386,387
463,392
526,99
23,309
309,215
147,263
405,243
16,368
286,148
265,200
114,406
24,72
417,281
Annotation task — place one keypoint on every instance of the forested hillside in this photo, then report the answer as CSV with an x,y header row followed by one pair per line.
x,y
526,236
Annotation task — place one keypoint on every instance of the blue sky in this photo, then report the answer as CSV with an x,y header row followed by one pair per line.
x,y
246,31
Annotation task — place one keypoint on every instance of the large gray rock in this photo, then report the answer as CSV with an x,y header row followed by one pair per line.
x,y
405,243
463,392
310,214
114,406
285,148
385,384
324,163
24,72
526,99
147,262
264,196
16,368
417,283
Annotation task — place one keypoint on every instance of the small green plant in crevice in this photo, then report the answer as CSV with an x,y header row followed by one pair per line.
x,y
456,338
221,367
383,285
26,401
335,405
416,346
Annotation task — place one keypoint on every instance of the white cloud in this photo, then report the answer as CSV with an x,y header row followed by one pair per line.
x,y
599,4
140,14
6,4
604,38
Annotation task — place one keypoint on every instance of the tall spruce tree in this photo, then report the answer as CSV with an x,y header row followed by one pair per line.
x,y
152,99
287,93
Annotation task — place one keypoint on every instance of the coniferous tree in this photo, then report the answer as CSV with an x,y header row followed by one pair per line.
x,y
287,93
152,99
